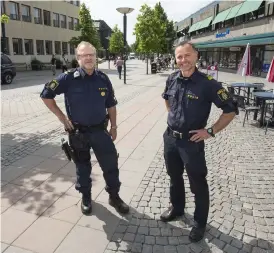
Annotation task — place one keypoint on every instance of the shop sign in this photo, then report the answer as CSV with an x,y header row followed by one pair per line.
x,y
265,68
234,49
221,35
213,71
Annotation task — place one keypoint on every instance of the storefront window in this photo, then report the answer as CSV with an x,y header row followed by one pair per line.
x,y
268,56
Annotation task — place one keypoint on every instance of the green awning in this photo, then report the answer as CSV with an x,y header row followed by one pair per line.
x,y
221,16
234,11
193,27
205,23
249,6
259,41
198,25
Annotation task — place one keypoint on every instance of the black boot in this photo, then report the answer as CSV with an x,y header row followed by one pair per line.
x,y
197,233
171,214
86,206
120,206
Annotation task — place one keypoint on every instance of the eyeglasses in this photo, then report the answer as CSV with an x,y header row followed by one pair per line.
x,y
84,56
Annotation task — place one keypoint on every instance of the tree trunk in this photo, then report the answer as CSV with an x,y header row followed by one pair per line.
x,y
3,39
147,64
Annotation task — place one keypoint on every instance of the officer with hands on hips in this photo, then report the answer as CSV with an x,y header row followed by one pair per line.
x,y
189,95
89,96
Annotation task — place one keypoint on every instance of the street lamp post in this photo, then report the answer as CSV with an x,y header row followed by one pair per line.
x,y
125,11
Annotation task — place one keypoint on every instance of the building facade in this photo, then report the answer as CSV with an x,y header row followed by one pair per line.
x,y
38,29
104,32
221,31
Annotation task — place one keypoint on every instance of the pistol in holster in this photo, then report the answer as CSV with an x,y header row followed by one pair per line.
x,y
69,152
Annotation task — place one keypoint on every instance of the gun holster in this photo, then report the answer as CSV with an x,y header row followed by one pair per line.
x,y
69,152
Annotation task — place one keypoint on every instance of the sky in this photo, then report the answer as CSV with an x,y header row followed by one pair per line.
x,y
176,10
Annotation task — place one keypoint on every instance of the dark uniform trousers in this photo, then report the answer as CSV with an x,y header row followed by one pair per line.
x,y
101,143
180,154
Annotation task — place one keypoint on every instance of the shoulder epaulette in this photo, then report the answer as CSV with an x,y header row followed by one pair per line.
x,y
102,74
208,77
70,71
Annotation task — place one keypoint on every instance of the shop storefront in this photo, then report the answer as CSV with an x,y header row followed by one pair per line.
x,y
228,53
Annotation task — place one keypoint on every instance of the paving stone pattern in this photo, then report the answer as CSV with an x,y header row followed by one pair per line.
x,y
240,175
241,218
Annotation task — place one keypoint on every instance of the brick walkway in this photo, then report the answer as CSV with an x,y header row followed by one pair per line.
x,y
38,192
241,215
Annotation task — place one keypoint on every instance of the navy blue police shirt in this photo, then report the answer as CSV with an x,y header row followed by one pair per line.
x,y
190,100
86,96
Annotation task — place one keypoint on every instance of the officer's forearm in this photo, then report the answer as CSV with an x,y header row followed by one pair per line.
x,y
112,115
223,122
51,104
167,105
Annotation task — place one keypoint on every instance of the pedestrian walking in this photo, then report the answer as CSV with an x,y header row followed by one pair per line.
x,y
53,64
119,65
189,95
172,62
64,63
88,96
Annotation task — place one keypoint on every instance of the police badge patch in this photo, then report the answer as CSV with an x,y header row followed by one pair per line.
x,y
53,84
223,94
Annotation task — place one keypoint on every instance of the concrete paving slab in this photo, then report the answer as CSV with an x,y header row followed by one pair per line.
x,y
44,235
239,164
81,238
21,221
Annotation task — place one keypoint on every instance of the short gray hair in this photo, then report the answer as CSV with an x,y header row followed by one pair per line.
x,y
85,43
183,43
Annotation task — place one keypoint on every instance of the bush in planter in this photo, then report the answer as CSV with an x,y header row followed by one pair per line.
x,y
36,64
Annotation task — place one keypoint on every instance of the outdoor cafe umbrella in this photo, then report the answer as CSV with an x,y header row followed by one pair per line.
x,y
245,65
270,73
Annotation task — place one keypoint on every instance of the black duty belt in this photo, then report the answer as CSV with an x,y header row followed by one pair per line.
x,y
90,128
177,134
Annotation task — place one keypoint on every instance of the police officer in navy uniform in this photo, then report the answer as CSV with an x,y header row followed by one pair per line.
x,y
89,97
189,95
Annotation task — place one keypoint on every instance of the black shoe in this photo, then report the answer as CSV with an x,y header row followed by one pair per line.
x,y
118,204
86,206
170,214
197,233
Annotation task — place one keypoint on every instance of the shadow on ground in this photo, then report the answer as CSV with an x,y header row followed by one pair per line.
x,y
35,172
138,232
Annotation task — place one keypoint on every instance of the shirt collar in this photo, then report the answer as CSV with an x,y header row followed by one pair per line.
x,y
83,72
194,77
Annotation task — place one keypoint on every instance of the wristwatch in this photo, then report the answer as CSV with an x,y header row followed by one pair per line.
x,y
114,127
210,131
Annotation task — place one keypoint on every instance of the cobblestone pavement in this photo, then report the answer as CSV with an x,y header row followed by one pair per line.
x,y
241,219
39,181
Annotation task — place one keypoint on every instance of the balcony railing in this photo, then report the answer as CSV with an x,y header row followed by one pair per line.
x,y
26,18
14,16
37,20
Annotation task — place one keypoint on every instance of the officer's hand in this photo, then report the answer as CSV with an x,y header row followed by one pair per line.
x,y
66,122
199,135
113,133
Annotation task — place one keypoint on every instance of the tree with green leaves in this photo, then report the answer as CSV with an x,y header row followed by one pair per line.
x,y
166,39
87,29
116,41
154,32
134,46
150,30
